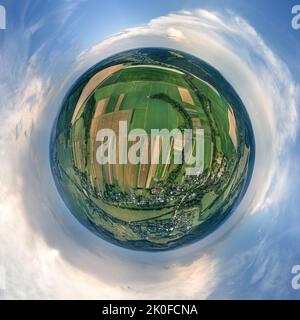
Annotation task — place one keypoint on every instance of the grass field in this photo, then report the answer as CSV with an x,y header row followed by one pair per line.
x,y
135,86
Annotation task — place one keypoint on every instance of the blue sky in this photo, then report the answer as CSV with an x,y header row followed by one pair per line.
x,y
46,46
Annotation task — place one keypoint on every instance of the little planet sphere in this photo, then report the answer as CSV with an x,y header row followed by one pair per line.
x,y
144,191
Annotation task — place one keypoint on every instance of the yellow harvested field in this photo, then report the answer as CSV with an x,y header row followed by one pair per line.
x,y
122,115
118,104
93,146
155,153
130,170
117,172
143,171
232,127
101,105
110,120
196,123
151,174
185,95
92,84
132,174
